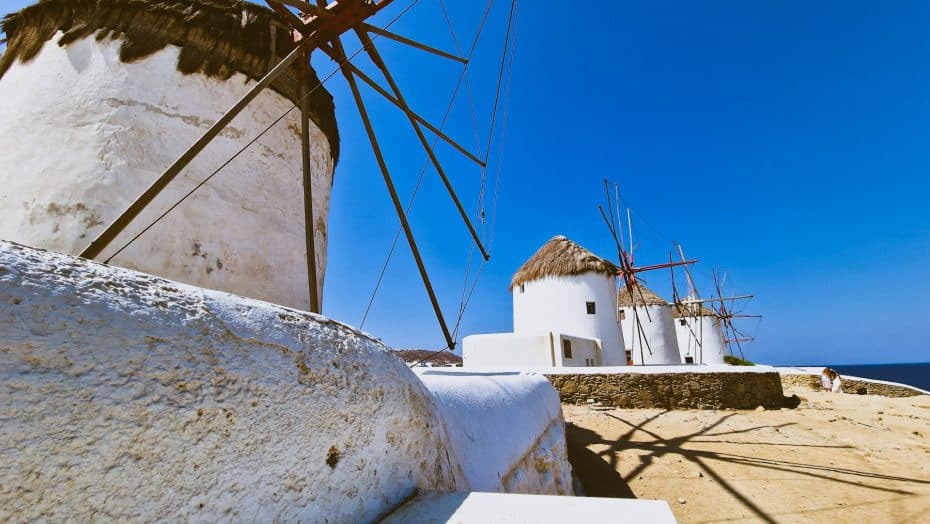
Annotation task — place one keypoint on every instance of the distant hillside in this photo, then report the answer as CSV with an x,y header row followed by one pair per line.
x,y
444,358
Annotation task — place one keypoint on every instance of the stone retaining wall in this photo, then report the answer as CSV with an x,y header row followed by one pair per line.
x,y
730,390
860,387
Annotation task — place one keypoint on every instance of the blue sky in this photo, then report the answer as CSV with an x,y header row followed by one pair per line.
x,y
787,143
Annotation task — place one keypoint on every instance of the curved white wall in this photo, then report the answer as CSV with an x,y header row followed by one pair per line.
x,y
83,134
506,429
559,304
138,398
131,397
657,344
706,329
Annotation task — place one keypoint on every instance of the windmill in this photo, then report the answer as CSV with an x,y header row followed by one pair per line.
x,y
727,313
648,325
320,27
700,337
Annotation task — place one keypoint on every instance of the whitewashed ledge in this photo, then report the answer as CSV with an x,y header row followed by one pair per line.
x,y
128,397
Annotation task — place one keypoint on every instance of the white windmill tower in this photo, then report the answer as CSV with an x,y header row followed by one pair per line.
x,y
645,317
117,112
98,97
697,327
567,289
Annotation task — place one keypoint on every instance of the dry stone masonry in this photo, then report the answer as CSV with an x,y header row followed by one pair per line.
x,y
682,390
851,385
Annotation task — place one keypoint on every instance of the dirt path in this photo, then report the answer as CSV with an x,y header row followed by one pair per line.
x,y
835,458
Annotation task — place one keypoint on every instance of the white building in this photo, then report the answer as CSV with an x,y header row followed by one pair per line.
x,y
564,314
700,338
94,110
648,328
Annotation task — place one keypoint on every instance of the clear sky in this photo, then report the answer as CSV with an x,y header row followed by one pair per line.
x,y
787,143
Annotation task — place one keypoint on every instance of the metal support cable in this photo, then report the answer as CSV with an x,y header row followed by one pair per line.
x,y
250,143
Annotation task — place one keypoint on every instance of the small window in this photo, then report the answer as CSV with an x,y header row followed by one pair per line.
x,y
522,288
683,322
566,349
592,308
629,357
622,315
689,360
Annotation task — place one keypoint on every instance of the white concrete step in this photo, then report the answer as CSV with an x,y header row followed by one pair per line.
x,y
485,508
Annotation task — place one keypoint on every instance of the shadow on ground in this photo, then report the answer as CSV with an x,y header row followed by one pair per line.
x,y
598,477
598,474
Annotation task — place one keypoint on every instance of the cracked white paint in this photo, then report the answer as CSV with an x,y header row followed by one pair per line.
x,y
506,428
83,134
125,396
130,397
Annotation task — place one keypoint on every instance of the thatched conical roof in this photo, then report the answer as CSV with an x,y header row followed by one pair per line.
x,y
642,296
561,257
691,310
217,38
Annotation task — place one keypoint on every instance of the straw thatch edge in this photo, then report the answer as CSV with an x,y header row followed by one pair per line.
x,y
561,257
691,310
217,38
642,296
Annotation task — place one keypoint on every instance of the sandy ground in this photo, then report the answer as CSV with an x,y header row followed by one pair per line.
x,y
835,458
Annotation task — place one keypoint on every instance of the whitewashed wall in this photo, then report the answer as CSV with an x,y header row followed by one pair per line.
x,y
83,134
657,343
559,304
585,352
705,329
508,351
512,351
130,397
506,429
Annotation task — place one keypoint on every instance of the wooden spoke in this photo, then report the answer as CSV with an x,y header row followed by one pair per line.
x,y
306,7
403,107
288,15
388,181
412,43
310,239
662,266
379,63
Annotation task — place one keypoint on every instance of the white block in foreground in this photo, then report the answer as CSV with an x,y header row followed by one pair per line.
x,y
484,508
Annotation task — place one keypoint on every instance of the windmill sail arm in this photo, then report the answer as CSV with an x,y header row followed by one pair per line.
x,y
395,199
653,267
412,43
375,56
402,106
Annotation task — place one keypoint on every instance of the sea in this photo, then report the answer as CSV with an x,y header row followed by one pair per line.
x,y
917,375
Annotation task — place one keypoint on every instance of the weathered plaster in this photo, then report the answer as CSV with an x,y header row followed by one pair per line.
x,y
83,134
126,396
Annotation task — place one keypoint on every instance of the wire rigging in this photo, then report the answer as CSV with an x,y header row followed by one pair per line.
x,y
255,139
505,71
466,293
462,78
